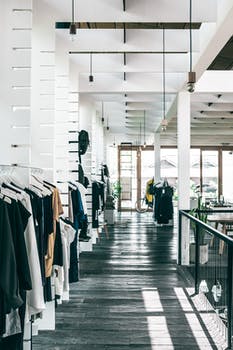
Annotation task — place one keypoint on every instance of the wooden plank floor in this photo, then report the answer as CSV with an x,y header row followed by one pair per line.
x,y
130,296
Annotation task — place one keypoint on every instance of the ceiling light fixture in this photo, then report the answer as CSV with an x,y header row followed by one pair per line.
x,y
73,29
191,74
91,78
164,121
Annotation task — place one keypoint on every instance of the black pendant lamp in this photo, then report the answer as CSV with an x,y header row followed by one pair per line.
x,y
102,117
91,77
191,74
107,126
73,28
164,120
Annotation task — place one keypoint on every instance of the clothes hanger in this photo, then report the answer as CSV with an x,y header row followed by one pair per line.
x,y
5,198
35,183
8,193
36,191
48,183
11,187
72,185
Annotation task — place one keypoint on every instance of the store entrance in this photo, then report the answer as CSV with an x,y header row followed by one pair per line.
x,y
135,168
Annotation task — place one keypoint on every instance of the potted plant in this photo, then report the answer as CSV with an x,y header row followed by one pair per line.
x,y
203,246
116,189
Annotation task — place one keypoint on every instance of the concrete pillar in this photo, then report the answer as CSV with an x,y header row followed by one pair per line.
x,y
15,73
86,112
43,88
183,130
157,165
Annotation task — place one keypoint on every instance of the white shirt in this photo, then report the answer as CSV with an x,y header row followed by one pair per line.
x,y
67,235
35,297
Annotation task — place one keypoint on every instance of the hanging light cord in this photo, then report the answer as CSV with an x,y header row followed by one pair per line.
x,y
144,127
91,63
163,73
190,36
73,11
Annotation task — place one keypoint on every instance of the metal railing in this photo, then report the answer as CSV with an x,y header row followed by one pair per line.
x,y
212,273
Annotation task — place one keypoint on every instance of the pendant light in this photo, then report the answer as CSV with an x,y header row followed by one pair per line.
x,y
164,120
73,28
91,78
102,116
144,145
191,74
107,126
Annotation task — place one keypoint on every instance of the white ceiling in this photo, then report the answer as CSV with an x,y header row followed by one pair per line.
x,y
127,66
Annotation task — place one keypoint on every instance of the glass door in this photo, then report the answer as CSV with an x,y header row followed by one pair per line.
x,y
136,167
128,178
147,169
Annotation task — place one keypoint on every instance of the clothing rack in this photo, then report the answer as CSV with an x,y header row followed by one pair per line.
x,y
20,166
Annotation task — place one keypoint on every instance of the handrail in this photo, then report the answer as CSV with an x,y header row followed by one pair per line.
x,y
229,280
209,228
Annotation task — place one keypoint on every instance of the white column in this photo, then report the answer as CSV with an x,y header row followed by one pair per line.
x,y
157,165
183,130
43,87
61,124
15,72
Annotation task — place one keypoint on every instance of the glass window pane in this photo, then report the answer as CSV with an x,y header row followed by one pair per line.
x,y
194,172
169,168
210,174
147,169
227,170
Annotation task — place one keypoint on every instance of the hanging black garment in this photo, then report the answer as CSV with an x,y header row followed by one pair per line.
x,y
95,204
9,286
163,206
79,218
81,177
74,268
38,217
83,142
58,254
19,216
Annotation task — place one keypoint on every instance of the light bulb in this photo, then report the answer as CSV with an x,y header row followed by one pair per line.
x,y
164,124
191,81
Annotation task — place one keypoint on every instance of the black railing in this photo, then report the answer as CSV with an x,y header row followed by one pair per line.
x,y
212,274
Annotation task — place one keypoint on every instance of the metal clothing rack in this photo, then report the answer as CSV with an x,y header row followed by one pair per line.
x,y
20,166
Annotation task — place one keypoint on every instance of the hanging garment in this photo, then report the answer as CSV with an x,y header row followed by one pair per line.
x,y
35,297
57,211
83,142
62,273
9,284
149,195
96,204
163,206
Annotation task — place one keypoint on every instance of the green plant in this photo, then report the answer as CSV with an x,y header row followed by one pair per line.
x,y
116,189
202,217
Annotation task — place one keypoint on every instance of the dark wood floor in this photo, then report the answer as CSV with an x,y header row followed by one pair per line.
x,y
130,296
